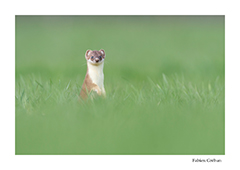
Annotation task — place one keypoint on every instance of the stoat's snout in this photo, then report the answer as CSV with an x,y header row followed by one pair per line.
x,y
97,60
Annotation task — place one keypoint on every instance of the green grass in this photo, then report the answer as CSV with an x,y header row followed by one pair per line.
x,y
164,78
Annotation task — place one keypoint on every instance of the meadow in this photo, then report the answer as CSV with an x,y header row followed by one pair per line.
x,y
164,79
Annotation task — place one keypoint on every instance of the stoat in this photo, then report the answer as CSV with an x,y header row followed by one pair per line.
x,y
94,78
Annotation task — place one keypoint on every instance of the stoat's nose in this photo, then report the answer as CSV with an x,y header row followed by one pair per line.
x,y
97,60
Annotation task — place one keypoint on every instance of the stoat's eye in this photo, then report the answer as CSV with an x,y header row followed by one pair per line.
x,y
100,57
92,57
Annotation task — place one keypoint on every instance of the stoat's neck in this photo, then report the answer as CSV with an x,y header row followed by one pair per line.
x,y
96,73
95,68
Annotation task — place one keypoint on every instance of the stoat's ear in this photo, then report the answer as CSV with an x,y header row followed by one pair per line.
x,y
103,52
87,53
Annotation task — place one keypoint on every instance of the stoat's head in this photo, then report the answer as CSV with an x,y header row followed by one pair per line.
x,y
95,57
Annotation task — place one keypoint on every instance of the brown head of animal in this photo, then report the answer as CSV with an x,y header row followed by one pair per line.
x,y
95,57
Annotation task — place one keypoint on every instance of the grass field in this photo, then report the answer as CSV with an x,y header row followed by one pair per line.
x,y
164,79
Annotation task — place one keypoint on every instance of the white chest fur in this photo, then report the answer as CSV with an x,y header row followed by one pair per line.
x,y
96,74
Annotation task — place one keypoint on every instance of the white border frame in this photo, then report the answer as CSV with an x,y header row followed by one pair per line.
x,y
186,7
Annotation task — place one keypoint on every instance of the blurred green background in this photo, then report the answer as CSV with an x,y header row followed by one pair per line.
x,y
164,78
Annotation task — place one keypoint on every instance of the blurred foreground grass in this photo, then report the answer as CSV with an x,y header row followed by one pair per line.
x,y
164,78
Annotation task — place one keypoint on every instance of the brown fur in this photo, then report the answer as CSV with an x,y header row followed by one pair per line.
x,y
95,54
88,85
